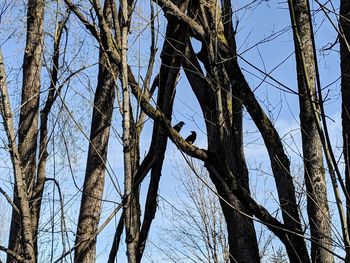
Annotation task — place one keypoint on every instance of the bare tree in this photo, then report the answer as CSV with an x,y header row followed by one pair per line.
x,y
197,226
90,209
200,44
29,173
315,181
29,115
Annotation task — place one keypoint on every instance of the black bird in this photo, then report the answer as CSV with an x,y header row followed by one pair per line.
x,y
178,126
192,137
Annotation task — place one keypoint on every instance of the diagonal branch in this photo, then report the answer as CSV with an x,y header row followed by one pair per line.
x,y
82,18
12,254
170,8
9,200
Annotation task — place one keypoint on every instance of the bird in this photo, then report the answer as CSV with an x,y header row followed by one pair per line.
x,y
192,137
178,126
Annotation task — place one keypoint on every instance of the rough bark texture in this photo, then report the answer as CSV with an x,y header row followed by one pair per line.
x,y
314,174
223,114
241,233
344,40
131,218
246,242
28,122
25,247
90,208
280,164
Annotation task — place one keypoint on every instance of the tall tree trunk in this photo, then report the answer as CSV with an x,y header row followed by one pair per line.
x,y
234,107
90,208
222,111
241,233
344,39
28,121
225,45
26,241
242,239
91,202
314,174
131,217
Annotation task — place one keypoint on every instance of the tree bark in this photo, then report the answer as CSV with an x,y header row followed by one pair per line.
x,y
314,174
131,217
90,208
223,114
241,233
28,121
25,246
344,39
279,161
91,202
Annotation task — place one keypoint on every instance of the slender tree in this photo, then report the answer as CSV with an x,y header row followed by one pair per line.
x,y
91,202
314,174
26,239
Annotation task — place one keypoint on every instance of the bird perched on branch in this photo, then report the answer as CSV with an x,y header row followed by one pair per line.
x,y
178,126
192,137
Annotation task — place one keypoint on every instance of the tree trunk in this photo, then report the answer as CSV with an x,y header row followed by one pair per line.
x,y
314,174
28,121
344,39
131,217
90,208
91,202
242,240
240,89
